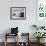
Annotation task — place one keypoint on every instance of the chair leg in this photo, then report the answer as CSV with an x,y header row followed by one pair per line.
x,y
5,43
5,39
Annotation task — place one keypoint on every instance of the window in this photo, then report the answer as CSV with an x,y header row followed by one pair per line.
x,y
41,8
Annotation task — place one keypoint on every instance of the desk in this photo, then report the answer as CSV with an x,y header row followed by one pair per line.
x,y
17,43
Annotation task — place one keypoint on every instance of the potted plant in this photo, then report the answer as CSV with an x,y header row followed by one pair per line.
x,y
39,35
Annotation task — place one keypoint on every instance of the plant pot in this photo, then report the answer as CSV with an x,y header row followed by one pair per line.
x,y
40,41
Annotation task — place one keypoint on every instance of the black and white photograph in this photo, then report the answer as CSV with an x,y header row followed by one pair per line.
x,y
18,13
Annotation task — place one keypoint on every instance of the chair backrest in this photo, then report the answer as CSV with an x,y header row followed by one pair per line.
x,y
14,30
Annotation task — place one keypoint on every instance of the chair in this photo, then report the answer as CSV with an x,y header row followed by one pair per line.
x,y
7,35
14,32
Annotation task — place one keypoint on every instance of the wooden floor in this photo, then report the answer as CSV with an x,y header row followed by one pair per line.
x,y
13,44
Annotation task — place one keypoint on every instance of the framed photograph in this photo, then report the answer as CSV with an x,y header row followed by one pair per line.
x,y
18,13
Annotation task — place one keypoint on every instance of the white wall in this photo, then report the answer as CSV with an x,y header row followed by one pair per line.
x,y
24,25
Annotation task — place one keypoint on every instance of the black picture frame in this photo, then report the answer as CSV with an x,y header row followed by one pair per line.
x,y
18,13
